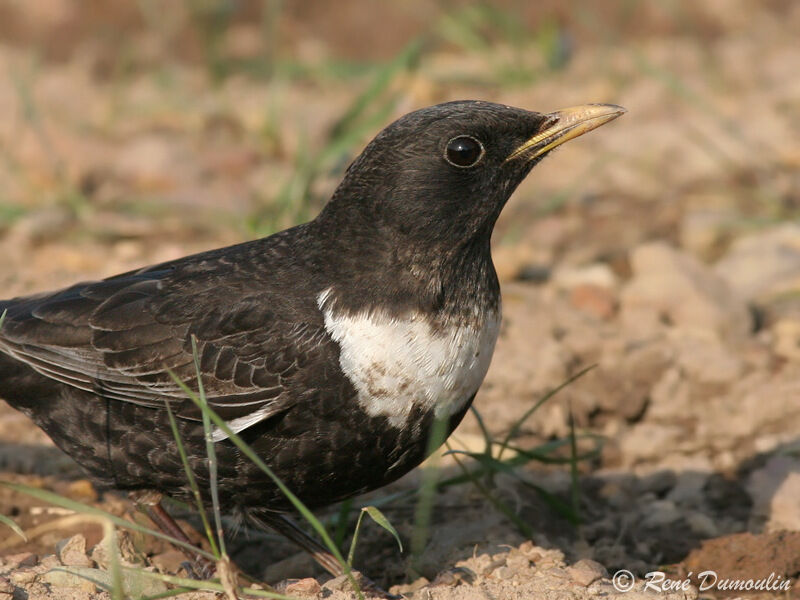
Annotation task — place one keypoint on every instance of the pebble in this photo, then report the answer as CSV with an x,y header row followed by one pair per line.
x,y
647,441
702,524
169,561
786,338
50,562
761,264
775,488
6,589
594,300
455,576
342,583
83,490
597,275
492,566
703,230
60,578
702,357
660,514
659,482
72,552
517,561
304,587
24,559
673,288
408,589
688,488
23,576
586,571
504,573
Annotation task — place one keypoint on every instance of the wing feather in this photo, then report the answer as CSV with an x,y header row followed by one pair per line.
x,y
124,337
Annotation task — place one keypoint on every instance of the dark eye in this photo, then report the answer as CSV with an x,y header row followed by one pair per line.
x,y
463,151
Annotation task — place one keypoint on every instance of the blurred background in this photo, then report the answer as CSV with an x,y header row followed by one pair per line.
x,y
200,122
664,248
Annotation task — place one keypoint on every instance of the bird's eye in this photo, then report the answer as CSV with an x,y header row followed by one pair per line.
x,y
463,151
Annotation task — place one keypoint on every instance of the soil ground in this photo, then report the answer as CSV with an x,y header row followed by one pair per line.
x,y
663,249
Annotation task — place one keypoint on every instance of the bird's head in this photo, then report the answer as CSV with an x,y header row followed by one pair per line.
x,y
442,174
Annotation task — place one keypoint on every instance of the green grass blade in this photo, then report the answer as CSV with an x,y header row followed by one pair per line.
x,y
117,592
427,491
356,531
293,499
367,99
575,489
85,509
501,506
211,586
8,520
487,437
169,593
377,516
342,518
518,425
192,481
381,520
210,450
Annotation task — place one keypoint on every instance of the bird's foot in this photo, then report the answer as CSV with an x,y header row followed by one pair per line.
x,y
199,569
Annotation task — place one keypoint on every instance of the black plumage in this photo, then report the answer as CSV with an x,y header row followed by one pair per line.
x,y
407,232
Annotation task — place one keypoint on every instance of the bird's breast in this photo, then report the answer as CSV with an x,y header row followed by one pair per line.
x,y
398,363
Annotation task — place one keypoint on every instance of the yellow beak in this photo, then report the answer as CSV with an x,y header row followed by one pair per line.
x,y
566,125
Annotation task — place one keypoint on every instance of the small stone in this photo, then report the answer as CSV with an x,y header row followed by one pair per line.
x,y
672,288
527,547
586,571
517,561
304,587
616,494
596,275
594,300
688,488
775,488
23,576
50,562
82,489
504,573
169,561
786,338
660,514
6,587
647,440
492,566
454,577
25,559
72,552
408,589
134,583
702,357
659,482
702,525
760,264
703,230
60,578
342,583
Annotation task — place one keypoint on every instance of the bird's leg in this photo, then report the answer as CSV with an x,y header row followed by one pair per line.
x,y
288,528
150,504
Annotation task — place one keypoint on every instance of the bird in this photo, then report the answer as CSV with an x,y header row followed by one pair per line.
x,y
331,348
